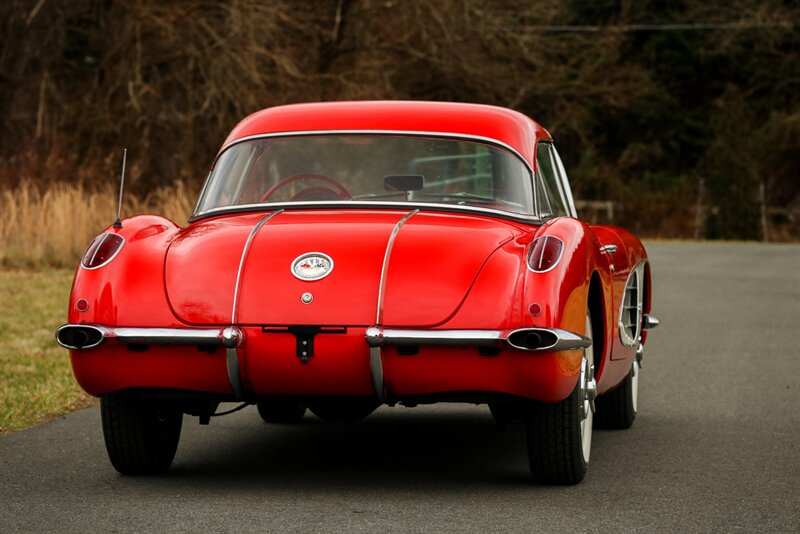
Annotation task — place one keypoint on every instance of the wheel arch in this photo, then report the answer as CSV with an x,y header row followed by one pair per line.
x,y
597,309
646,296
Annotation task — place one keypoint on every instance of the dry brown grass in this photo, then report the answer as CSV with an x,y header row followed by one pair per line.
x,y
53,226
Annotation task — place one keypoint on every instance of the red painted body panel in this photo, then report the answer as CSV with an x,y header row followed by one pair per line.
x,y
200,272
447,271
435,260
418,293
113,367
340,365
477,295
630,252
504,125
130,289
549,377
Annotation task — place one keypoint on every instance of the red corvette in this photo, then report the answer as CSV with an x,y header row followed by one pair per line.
x,y
347,255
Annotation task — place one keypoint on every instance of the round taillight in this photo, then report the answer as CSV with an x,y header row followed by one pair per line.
x,y
545,253
102,250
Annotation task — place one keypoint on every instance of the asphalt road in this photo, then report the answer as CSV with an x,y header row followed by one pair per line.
x,y
714,449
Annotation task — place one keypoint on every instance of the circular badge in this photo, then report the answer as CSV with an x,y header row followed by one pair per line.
x,y
312,266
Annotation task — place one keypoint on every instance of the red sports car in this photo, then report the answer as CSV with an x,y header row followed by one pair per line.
x,y
347,255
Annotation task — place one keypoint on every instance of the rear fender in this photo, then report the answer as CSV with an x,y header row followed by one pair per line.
x,y
561,294
129,290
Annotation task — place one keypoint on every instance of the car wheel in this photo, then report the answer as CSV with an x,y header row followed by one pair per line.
x,y
617,408
343,409
284,411
559,436
141,435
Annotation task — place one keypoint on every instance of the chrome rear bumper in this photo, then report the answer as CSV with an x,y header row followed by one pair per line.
x,y
531,339
84,336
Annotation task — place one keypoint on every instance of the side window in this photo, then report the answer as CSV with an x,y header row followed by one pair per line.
x,y
549,194
564,182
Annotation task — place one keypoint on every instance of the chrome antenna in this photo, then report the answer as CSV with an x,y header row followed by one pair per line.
x,y
118,222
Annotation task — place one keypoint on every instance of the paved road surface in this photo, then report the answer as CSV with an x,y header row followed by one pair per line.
x,y
715,447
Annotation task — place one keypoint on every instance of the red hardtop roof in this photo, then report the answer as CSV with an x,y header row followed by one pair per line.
x,y
501,124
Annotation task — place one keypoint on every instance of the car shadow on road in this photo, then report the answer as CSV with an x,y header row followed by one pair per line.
x,y
395,448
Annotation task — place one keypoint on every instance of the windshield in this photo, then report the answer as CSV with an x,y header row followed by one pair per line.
x,y
368,168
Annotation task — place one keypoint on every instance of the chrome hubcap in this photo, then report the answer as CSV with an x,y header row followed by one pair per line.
x,y
635,376
587,395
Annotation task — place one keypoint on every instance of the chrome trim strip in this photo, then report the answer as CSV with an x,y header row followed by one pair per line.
x,y
566,184
202,193
625,339
231,354
650,321
165,335
385,267
368,204
565,340
448,135
558,175
228,337
377,336
242,259
405,133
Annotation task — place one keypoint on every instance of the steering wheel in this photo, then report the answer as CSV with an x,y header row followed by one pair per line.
x,y
311,193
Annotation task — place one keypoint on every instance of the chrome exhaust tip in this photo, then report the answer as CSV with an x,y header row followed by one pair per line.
x,y
79,337
546,339
650,321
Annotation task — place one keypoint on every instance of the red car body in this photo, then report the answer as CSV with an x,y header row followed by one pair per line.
x,y
422,301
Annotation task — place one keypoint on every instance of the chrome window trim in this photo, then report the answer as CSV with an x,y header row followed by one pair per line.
x,y
404,133
559,179
562,186
202,190
537,179
565,179
372,204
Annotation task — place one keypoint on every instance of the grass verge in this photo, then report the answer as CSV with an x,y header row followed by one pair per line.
x,y
36,381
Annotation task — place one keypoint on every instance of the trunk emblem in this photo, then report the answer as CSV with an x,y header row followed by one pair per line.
x,y
312,266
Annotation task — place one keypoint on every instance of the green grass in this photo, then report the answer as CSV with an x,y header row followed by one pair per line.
x,y
36,381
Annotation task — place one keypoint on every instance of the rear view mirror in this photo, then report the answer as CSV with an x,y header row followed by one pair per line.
x,y
406,182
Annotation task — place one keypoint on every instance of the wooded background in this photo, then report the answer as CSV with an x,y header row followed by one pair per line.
x,y
684,114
